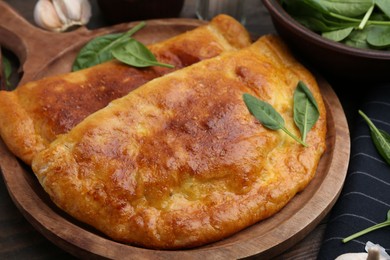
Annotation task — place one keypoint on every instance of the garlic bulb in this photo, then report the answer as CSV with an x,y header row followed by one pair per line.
x,y
59,15
374,252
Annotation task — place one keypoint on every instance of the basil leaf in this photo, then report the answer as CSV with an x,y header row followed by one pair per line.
x,y
306,112
267,115
98,50
7,71
369,229
136,54
263,112
380,138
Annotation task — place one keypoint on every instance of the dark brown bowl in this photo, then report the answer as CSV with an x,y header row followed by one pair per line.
x,y
329,57
118,11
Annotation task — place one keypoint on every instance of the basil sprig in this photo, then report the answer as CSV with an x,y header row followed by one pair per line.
x,y
369,229
306,112
5,73
380,138
126,49
136,54
358,23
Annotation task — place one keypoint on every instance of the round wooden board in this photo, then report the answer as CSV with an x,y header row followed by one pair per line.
x,y
265,239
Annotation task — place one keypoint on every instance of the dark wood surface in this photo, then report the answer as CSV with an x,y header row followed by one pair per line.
x,y
20,240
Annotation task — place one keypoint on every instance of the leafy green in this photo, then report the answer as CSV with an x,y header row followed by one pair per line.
x,y
136,54
7,70
350,8
367,230
384,5
358,39
99,49
345,21
338,35
379,36
267,115
381,141
380,138
306,112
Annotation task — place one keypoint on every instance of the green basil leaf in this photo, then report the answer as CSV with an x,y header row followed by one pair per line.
x,y
263,112
99,49
380,138
338,35
136,54
306,112
382,143
379,36
267,115
369,229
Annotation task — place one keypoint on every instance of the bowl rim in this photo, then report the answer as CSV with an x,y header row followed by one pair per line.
x,y
277,12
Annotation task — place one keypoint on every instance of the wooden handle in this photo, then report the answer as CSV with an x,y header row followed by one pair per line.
x,y
35,48
43,53
13,27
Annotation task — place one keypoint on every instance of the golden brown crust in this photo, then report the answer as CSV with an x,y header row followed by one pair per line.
x,y
53,105
180,162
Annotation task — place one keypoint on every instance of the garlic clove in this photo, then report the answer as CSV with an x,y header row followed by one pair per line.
x,y
67,12
86,11
61,8
45,16
352,256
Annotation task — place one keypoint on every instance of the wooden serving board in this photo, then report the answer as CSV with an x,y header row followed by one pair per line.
x,y
44,53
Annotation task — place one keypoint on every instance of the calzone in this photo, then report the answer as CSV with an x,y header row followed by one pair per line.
x,y
35,113
181,162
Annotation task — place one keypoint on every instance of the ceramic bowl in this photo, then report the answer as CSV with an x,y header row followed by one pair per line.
x,y
329,57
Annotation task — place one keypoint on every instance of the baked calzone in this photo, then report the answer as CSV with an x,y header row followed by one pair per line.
x,y
180,162
35,113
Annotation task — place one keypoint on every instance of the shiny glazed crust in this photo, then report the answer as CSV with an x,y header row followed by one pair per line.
x,y
34,114
180,162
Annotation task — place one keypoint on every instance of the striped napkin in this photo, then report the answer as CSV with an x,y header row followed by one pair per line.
x,y
365,198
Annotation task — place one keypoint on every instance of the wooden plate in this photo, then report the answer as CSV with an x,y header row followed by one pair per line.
x,y
265,239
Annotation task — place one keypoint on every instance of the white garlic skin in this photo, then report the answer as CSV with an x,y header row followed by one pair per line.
x,y
59,15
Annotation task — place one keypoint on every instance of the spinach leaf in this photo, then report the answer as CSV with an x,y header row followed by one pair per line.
x,y
351,8
370,229
358,39
306,112
136,54
379,36
384,5
338,35
267,115
380,138
366,17
345,21
99,49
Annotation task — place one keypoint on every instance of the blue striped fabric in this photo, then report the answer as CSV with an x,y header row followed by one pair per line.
x,y
365,198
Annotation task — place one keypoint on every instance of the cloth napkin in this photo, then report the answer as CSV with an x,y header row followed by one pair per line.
x,y
365,197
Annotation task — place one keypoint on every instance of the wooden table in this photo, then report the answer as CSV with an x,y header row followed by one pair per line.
x,y
19,240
